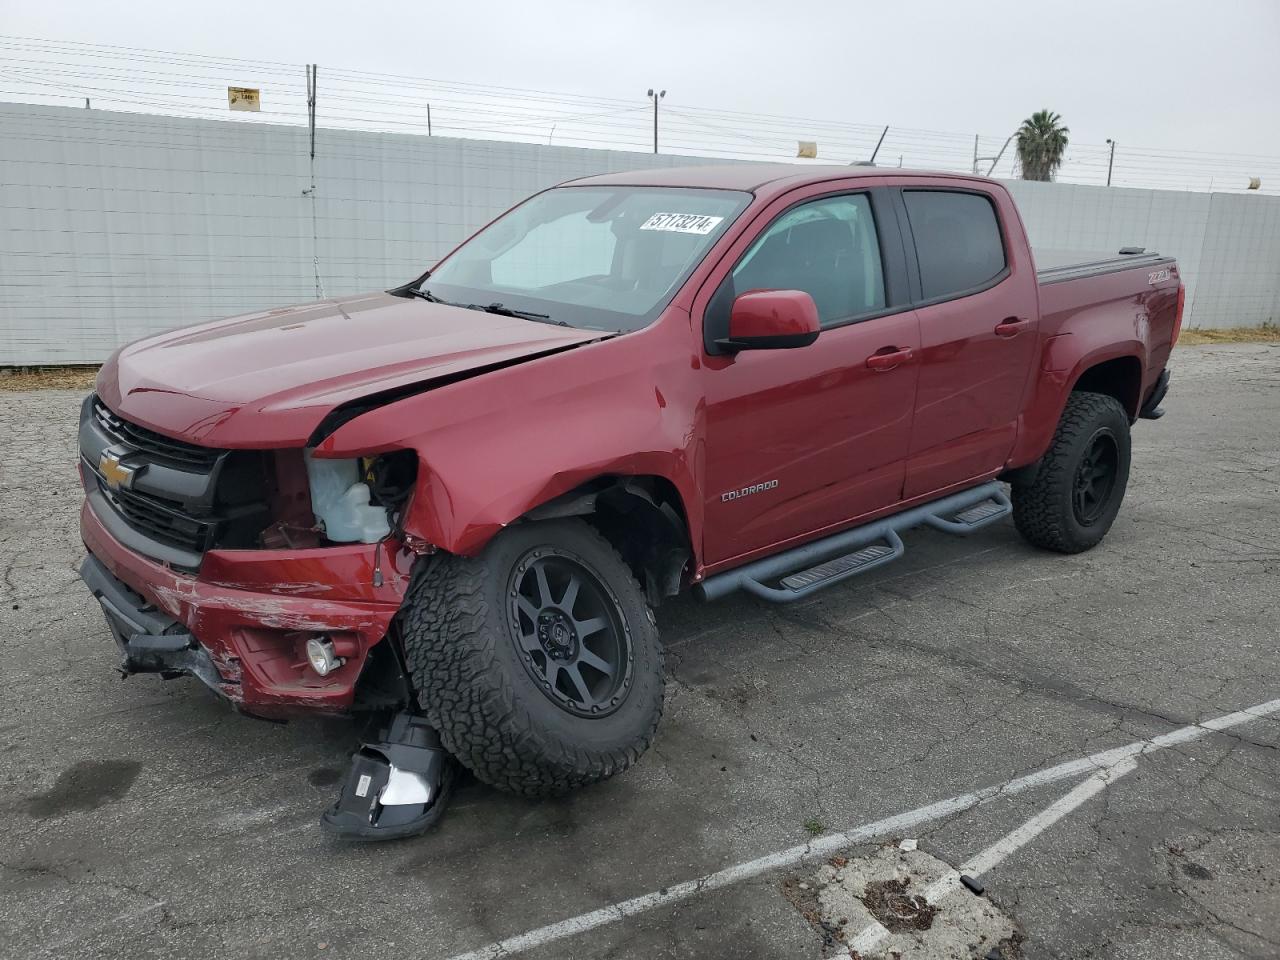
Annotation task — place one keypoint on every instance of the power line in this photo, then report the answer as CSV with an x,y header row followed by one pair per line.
x,y
189,84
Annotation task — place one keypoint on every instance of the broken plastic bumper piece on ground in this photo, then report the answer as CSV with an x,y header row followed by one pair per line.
x,y
398,785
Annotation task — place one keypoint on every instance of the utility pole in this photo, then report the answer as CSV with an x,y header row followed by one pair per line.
x,y
655,97
311,124
428,119
975,153
1111,159
311,117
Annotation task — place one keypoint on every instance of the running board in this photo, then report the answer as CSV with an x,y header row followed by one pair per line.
x,y
805,570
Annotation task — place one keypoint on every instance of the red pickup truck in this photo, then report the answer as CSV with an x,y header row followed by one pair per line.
x,y
468,493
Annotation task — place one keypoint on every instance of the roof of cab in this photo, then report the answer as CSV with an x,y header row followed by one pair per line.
x,y
746,176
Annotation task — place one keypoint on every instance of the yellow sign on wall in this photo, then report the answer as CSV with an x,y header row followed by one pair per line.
x,y
244,98
808,150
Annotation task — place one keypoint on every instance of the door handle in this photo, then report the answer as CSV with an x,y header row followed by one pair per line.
x,y
1012,326
886,358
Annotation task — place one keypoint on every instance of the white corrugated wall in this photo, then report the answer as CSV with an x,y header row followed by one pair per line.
x,y
116,225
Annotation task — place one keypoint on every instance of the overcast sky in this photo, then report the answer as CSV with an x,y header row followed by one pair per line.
x,y
1173,74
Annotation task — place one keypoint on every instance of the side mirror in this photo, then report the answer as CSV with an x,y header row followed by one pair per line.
x,y
771,320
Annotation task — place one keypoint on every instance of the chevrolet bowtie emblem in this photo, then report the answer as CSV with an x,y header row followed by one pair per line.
x,y
117,475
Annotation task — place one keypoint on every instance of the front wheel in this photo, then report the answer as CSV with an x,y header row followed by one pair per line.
x,y
1071,503
538,661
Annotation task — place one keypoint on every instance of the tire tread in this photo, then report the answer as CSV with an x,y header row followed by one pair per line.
x,y
1038,507
450,634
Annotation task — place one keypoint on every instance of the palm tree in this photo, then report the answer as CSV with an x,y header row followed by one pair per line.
x,y
1041,145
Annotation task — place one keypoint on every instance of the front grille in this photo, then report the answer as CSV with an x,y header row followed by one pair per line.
x,y
177,496
158,447
162,522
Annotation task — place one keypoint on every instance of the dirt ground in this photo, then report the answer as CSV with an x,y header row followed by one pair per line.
x,y
1268,333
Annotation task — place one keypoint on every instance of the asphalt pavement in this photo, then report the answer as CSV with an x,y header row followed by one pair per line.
x,y
962,698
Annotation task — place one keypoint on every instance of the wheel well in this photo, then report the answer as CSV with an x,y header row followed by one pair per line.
x,y
644,519
1120,378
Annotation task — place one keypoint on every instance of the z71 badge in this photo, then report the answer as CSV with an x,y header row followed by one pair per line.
x,y
748,491
1158,276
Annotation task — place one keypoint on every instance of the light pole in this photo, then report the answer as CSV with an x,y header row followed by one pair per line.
x,y
655,97
1111,159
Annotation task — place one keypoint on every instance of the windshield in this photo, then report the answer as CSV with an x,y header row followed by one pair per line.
x,y
602,258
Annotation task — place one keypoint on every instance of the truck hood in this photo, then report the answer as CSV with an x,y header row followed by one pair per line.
x,y
267,379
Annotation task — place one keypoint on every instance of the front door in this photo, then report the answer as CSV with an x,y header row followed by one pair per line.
x,y
805,439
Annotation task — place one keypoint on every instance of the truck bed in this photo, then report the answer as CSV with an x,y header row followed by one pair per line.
x,y
1055,266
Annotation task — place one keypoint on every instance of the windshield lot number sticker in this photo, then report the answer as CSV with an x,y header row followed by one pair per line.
x,y
682,223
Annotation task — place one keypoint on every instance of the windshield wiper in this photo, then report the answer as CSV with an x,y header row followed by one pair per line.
x,y
506,311
498,308
427,295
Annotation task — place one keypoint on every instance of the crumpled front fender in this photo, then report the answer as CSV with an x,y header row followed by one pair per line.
x,y
493,447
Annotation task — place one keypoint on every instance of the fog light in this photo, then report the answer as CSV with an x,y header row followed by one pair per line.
x,y
321,656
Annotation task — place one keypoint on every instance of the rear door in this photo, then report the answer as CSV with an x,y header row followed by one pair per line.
x,y
976,302
805,439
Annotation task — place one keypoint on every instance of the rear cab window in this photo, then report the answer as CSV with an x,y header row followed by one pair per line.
x,y
959,245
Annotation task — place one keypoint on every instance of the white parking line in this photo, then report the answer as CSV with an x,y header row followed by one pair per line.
x,y
1011,842
822,847
1042,821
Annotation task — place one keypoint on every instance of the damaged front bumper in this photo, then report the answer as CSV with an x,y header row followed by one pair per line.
x,y
240,625
149,641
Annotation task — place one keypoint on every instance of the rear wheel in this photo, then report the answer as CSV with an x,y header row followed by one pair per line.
x,y
1075,495
538,661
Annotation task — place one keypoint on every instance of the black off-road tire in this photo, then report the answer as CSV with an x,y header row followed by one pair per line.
x,y
473,686
1044,509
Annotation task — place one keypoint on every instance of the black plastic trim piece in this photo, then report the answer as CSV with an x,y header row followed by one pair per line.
x,y
408,751
893,250
908,244
1021,475
158,447
137,541
781,342
1151,408
179,496
149,640
159,479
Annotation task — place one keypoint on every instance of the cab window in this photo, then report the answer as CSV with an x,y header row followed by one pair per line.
x,y
828,248
958,243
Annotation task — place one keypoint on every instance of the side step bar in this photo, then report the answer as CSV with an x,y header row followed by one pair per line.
x,y
807,569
